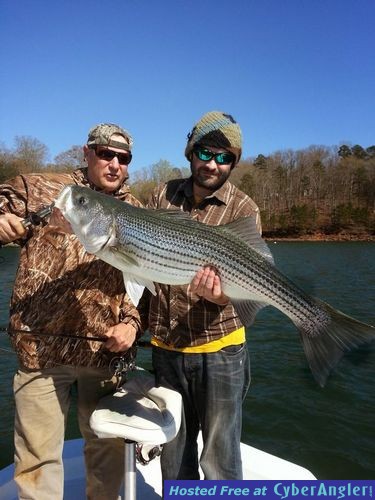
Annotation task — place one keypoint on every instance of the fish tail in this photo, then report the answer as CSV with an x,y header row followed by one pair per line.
x,y
333,334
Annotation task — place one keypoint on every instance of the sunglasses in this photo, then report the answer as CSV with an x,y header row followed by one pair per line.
x,y
204,154
108,155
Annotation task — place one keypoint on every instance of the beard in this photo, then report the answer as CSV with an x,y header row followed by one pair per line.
x,y
209,179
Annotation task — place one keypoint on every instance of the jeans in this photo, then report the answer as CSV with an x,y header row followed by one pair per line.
x,y
213,386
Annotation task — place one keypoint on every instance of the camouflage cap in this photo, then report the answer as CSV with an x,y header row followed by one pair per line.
x,y
101,135
218,130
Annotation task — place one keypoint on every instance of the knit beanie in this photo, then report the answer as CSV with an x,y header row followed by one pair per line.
x,y
102,135
218,130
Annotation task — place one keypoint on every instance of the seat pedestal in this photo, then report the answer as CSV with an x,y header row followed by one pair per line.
x,y
130,473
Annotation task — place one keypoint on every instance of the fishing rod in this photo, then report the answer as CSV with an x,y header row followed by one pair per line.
x,y
118,366
35,218
38,333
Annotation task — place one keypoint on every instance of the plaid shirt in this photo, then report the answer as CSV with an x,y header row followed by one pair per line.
x,y
177,317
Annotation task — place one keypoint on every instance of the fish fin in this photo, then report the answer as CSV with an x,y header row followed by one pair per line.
x,y
330,338
171,214
126,259
247,310
135,286
247,229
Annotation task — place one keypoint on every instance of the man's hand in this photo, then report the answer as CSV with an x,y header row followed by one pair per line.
x,y
121,337
207,284
11,228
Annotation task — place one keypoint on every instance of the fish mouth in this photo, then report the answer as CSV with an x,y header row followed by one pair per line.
x,y
57,219
62,200
82,227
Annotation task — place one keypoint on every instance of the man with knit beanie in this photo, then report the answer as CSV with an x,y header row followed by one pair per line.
x,y
199,345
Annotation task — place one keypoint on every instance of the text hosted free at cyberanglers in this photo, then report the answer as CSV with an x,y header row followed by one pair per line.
x,y
269,489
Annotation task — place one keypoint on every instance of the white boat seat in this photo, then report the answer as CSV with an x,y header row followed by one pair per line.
x,y
139,412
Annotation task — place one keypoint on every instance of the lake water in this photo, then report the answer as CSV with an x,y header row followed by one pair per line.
x,y
330,431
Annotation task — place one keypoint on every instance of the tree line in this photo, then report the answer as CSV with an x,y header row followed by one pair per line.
x,y
319,189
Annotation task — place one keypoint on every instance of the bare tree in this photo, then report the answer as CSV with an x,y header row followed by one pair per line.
x,y
70,159
30,153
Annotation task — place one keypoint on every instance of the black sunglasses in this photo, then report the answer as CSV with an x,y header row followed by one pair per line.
x,y
204,154
108,155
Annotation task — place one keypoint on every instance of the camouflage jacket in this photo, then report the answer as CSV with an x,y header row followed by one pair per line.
x,y
59,288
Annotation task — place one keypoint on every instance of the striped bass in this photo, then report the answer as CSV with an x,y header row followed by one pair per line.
x,y
166,246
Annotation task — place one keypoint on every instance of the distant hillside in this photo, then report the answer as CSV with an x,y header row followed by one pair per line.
x,y
319,192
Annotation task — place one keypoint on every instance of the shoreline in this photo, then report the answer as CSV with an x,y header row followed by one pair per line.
x,y
321,237
318,240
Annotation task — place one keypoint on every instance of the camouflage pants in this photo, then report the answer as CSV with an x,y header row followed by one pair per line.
x,y
42,402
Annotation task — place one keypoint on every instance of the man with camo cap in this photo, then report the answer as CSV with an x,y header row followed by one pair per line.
x,y
59,290
199,345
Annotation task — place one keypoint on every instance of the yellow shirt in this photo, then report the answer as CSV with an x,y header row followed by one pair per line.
x,y
235,338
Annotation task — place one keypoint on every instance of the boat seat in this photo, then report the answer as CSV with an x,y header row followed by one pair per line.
x,y
139,412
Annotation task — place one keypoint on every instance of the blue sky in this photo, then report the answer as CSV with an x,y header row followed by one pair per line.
x,y
292,72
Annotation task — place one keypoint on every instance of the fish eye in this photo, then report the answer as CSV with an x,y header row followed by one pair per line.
x,y
82,200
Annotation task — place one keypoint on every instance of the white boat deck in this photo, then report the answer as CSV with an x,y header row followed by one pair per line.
x,y
257,465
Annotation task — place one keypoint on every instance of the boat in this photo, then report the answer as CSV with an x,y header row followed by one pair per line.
x,y
257,465
141,412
